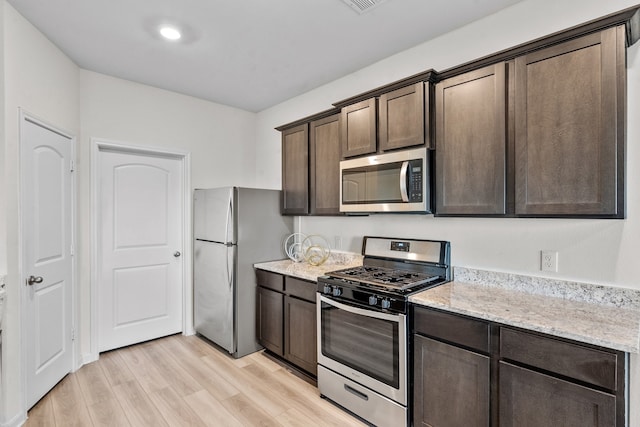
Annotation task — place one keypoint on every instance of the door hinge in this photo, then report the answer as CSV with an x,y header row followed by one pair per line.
x,y
71,250
73,334
72,166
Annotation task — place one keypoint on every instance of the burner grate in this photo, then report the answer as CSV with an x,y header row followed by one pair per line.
x,y
386,277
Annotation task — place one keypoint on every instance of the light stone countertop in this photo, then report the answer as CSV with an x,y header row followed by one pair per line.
x,y
599,315
304,270
594,314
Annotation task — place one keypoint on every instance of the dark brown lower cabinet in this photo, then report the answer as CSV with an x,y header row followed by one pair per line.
x,y
300,333
470,372
287,318
451,386
270,332
533,399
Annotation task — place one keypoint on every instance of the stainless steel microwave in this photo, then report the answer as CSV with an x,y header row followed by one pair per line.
x,y
389,182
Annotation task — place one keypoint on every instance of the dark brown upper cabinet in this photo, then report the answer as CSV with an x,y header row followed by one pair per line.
x,y
358,128
471,143
295,170
324,144
393,117
403,117
570,128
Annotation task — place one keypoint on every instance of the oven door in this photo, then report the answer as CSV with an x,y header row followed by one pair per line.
x,y
366,346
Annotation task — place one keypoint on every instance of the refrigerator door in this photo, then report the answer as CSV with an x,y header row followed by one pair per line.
x,y
213,212
213,286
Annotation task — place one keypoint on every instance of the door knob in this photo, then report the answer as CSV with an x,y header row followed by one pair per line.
x,y
34,279
177,254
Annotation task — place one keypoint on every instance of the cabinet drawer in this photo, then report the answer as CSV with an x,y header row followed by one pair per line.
x,y
571,360
301,289
452,328
270,280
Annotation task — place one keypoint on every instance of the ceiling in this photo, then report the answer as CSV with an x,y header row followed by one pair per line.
x,y
249,54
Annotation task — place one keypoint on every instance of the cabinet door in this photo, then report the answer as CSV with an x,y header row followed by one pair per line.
x,y
270,315
324,143
295,170
402,117
300,334
451,386
471,143
570,101
358,128
531,399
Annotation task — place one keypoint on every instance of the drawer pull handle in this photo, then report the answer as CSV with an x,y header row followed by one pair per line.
x,y
360,394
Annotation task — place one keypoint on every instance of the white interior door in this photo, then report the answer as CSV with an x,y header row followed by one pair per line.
x,y
47,262
140,263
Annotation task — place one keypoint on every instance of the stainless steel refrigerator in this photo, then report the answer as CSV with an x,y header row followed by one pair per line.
x,y
234,228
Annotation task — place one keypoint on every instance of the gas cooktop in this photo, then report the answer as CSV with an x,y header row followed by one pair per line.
x,y
384,277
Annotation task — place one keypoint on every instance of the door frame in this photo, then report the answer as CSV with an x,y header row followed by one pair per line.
x,y
27,116
99,145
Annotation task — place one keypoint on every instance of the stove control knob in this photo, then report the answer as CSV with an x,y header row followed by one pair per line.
x,y
373,300
326,289
337,291
385,303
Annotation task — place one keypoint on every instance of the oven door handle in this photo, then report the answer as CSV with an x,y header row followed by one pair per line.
x,y
361,311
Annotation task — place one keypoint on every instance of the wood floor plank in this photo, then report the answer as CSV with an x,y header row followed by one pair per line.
x,y
41,415
69,406
248,412
94,384
260,393
108,413
209,379
173,371
114,368
148,375
137,406
174,409
295,418
211,411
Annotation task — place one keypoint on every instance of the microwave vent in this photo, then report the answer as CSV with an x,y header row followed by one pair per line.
x,y
362,6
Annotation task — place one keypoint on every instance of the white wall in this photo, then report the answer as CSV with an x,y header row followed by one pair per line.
x,y
44,82
596,251
219,138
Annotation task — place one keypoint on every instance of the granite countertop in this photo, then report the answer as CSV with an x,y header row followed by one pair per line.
x,y
599,315
304,270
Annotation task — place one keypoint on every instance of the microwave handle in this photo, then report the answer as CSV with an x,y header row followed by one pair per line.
x,y
403,181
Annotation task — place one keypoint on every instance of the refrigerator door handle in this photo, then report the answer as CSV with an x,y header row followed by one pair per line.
x,y
230,259
229,216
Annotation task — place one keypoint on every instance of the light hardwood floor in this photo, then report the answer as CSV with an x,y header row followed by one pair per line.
x,y
184,381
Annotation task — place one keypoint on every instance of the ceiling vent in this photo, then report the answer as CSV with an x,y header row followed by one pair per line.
x,y
362,6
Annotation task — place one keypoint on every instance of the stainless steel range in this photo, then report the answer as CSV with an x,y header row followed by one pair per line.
x,y
363,330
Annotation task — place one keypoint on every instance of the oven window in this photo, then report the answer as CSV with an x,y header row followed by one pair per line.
x,y
363,343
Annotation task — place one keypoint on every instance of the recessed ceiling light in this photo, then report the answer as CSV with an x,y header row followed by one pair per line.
x,y
170,33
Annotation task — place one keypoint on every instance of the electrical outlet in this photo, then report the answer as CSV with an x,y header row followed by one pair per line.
x,y
549,261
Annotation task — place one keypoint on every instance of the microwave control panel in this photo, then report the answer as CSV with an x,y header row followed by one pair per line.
x,y
415,180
